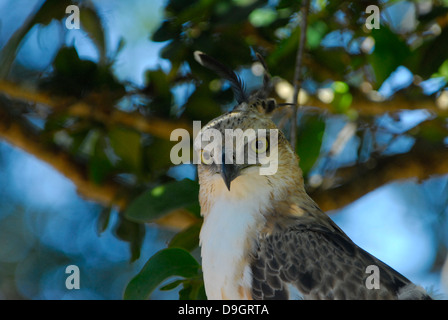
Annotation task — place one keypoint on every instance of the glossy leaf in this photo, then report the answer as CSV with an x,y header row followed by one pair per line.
x,y
161,266
172,285
193,290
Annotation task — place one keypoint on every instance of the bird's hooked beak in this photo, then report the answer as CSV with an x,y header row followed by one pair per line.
x,y
229,171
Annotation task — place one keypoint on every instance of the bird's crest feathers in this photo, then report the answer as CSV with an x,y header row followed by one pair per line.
x,y
257,101
236,83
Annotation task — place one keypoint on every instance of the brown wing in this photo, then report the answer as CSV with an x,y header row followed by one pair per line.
x,y
320,263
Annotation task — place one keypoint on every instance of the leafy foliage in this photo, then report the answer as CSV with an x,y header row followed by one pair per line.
x,y
120,151
163,265
159,201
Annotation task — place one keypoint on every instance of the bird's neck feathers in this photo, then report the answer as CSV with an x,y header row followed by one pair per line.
x,y
285,187
234,220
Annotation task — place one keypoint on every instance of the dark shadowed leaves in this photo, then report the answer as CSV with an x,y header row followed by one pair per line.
x,y
127,145
309,140
100,165
91,23
157,202
131,232
73,76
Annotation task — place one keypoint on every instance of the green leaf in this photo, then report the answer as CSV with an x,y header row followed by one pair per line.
x,y
195,105
309,140
166,31
315,33
157,154
50,9
171,285
262,17
103,220
187,239
77,77
157,202
131,232
443,70
127,145
91,23
195,209
390,52
193,290
99,164
159,86
161,266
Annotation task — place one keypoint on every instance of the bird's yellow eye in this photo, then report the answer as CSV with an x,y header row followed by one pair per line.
x,y
259,145
206,157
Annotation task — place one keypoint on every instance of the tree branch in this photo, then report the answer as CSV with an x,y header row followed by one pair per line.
x,y
163,128
420,163
18,135
155,126
399,102
110,193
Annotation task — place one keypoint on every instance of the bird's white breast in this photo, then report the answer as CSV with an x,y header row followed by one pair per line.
x,y
227,237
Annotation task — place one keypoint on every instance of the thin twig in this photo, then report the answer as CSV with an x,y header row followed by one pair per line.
x,y
298,71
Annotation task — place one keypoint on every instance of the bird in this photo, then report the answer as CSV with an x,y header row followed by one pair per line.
x,y
263,237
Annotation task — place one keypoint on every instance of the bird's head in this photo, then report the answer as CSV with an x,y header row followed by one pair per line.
x,y
243,150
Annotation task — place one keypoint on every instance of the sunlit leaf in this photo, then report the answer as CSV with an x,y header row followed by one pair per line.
x,y
443,70
315,33
262,17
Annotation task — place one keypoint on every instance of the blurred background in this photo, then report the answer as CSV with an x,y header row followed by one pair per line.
x,y
86,115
